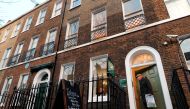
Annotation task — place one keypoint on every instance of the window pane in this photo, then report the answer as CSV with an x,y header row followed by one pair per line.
x,y
74,27
76,3
132,6
99,70
52,36
186,45
34,42
142,59
68,72
99,18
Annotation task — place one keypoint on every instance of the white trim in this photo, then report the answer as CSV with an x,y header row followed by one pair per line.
x,y
48,34
160,70
40,15
32,40
40,74
55,6
5,81
77,19
26,23
71,6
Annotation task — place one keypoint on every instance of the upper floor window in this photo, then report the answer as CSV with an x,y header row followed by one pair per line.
x,y
178,8
48,48
34,42
5,58
27,24
5,35
14,60
185,45
16,30
99,24
41,16
57,8
133,13
68,71
72,33
73,28
51,35
32,48
75,3
23,81
7,85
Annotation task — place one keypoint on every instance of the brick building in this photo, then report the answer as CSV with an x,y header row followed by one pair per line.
x,y
78,39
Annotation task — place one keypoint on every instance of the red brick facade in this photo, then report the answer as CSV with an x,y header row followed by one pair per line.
x,y
117,48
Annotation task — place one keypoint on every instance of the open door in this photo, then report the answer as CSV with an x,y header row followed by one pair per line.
x,y
151,73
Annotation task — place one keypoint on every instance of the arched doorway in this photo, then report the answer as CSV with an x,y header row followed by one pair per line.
x,y
146,60
41,82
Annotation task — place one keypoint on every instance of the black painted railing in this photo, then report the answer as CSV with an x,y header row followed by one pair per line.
x,y
14,60
178,93
47,48
30,54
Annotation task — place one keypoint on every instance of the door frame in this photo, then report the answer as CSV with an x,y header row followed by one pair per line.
x,y
40,74
128,67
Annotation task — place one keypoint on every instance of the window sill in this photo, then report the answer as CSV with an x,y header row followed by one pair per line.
x,y
39,24
72,8
2,41
55,16
24,31
13,37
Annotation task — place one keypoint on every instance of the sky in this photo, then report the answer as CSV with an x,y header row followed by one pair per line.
x,y
10,11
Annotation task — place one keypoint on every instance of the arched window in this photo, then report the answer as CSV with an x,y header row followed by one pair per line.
x,y
185,45
142,59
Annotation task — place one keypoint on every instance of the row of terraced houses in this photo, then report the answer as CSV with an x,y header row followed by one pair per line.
x,y
101,45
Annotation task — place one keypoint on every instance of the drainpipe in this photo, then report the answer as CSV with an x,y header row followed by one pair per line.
x,y
59,36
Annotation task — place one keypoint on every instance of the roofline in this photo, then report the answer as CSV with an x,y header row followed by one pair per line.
x,y
25,14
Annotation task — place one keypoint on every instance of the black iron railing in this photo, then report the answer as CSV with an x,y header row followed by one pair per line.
x,y
102,93
37,97
71,41
99,32
97,93
47,48
14,60
30,54
178,93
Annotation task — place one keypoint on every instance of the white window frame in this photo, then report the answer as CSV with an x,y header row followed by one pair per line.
x,y
5,83
48,35
21,79
5,36
90,99
31,42
93,13
187,61
16,30
18,50
69,26
61,76
4,62
27,24
72,7
40,16
57,2
131,15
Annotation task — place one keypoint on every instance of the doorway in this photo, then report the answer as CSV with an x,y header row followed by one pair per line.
x,y
146,60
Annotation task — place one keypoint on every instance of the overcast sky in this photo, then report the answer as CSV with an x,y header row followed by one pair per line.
x,y
10,11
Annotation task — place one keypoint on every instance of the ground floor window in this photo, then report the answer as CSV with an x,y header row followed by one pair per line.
x,y
185,46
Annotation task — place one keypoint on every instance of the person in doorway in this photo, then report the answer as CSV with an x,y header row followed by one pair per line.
x,y
145,88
